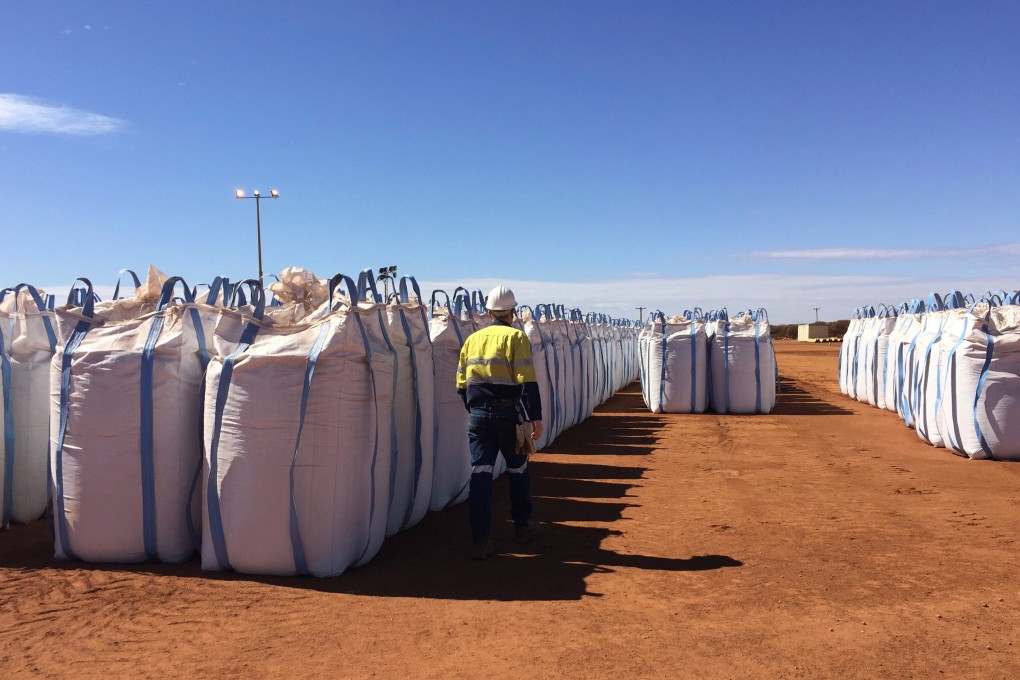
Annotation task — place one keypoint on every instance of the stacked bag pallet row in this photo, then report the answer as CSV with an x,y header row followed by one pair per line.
x,y
287,431
948,366
697,362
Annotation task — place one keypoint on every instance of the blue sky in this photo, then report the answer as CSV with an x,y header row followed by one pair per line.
x,y
604,155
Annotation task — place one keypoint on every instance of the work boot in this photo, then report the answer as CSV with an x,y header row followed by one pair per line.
x,y
481,550
526,533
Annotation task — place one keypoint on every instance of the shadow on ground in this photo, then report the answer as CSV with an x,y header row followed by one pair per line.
x,y
430,560
794,400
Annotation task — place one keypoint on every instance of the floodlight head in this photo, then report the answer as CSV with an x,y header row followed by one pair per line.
x,y
238,194
256,193
274,193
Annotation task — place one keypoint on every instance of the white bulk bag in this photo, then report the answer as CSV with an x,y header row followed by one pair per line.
x,y
405,463
297,439
905,328
552,409
743,365
685,366
414,403
871,378
979,413
901,350
448,327
652,382
676,352
565,361
928,365
29,343
126,427
533,329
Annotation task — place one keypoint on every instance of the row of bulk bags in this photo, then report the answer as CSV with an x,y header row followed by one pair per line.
x,y
951,371
249,492
560,352
125,419
579,362
266,506
740,371
27,342
887,353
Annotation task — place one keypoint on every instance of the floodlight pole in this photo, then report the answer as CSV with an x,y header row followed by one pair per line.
x,y
388,273
640,314
816,314
257,195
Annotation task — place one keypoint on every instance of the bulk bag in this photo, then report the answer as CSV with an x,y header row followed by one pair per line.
x,y
126,427
30,340
586,343
979,413
448,327
410,473
413,330
928,366
875,340
905,328
743,367
849,349
562,379
565,363
685,365
906,369
297,438
542,361
572,332
652,364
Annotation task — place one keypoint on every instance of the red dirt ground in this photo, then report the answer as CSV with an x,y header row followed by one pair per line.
x,y
824,540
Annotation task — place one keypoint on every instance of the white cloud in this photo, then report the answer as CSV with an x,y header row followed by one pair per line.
x,y
27,114
887,253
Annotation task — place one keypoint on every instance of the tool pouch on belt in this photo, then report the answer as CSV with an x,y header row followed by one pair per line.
x,y
525,444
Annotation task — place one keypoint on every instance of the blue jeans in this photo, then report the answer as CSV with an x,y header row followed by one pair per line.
x,y
492,429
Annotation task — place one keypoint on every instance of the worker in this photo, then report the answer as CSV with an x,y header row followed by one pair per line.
x,y
496,379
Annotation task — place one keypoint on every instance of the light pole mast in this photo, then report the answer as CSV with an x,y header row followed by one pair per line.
x,y
257,195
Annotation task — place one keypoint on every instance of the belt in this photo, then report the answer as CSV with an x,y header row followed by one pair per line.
x,y
492,403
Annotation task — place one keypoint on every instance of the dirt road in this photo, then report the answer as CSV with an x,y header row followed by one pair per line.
x,y
824,540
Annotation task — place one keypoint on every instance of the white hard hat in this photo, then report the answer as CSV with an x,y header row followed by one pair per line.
x,y
500,299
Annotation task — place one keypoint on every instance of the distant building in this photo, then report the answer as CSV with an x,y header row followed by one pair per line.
x,y
813,332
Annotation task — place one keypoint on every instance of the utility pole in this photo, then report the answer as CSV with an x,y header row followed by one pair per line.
x,y
816,314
